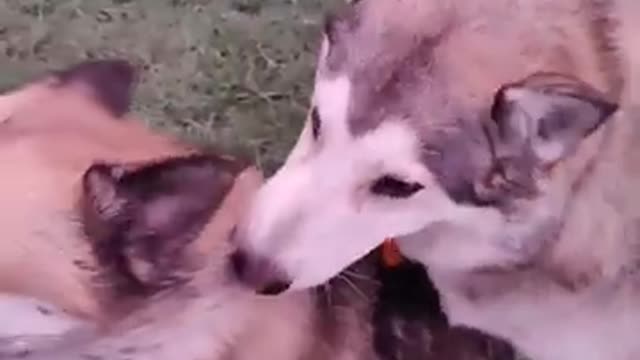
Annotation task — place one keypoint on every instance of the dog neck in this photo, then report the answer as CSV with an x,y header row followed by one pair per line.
x,y
599,235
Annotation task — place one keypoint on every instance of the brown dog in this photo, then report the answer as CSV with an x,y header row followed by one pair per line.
x,y
110,245
52,131
115,246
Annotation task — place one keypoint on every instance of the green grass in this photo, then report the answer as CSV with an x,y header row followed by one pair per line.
x,y
233,73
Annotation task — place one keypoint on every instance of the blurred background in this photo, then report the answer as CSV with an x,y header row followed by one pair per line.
x,y
232,73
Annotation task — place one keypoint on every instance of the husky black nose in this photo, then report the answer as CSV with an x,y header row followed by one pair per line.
x,y
258,273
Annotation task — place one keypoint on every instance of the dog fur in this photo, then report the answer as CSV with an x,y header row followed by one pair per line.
x,y
52,132
496,142
115,246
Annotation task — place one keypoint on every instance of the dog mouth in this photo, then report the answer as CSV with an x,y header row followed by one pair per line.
x,y
258,273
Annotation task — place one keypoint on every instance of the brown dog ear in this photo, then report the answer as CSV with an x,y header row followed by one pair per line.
x,y
111,82
538,122
142,220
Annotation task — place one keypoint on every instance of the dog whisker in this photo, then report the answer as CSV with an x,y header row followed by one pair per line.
x,y
359,276
354,287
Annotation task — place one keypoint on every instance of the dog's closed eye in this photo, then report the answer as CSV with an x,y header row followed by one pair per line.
x,y
394,187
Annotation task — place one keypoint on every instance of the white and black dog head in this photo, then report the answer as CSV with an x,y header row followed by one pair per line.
x,y
403,138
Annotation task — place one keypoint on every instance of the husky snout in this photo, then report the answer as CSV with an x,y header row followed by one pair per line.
x,y
258,273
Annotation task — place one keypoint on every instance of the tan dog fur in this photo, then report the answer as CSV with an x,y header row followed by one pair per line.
x,y
50,134
46,149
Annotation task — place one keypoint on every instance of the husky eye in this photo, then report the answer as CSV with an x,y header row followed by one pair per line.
x,y
315,122
391,186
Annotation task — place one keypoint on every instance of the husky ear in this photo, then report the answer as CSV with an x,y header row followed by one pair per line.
x,y
141,220
538,122
547,115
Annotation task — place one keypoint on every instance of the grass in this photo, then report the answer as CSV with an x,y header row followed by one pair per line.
x,y
232,73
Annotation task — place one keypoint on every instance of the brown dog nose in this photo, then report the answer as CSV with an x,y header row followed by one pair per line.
x,y
258,273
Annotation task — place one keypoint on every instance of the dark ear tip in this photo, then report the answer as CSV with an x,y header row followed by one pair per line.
x,y
119,70
112,82
609,108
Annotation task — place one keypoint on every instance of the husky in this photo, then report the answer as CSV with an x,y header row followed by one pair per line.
x,y
496,143
115,246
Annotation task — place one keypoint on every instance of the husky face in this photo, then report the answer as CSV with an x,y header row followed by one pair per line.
x,y
401,143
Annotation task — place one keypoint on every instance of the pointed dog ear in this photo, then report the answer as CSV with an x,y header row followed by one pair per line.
x,y
141,220
538,122
548,115
111,82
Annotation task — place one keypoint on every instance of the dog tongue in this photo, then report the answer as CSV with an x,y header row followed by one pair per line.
x,y
391,256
